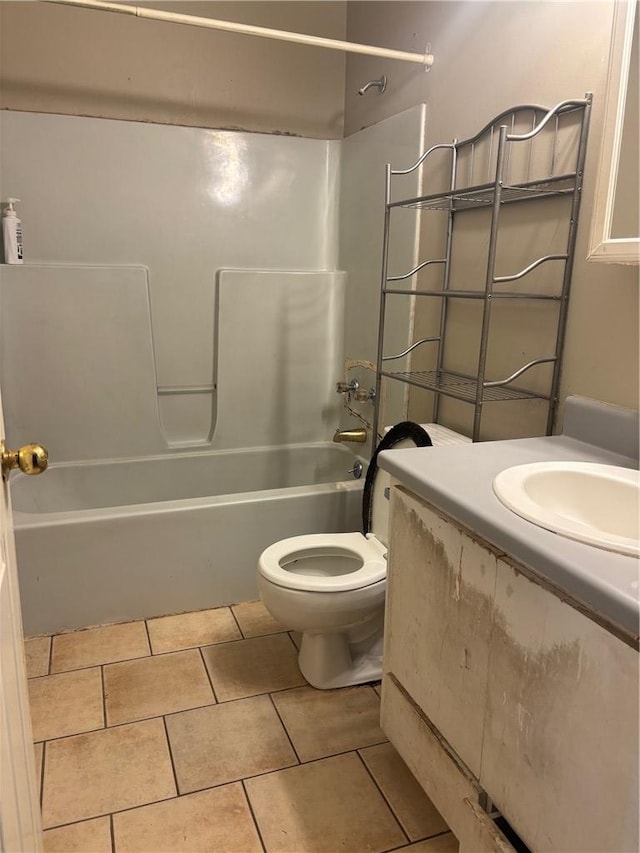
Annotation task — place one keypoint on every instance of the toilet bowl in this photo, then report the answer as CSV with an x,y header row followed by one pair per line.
x,y
331,587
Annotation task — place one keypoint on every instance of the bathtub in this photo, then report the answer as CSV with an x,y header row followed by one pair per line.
x,y
117,540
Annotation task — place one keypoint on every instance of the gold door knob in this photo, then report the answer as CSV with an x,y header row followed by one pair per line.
x,y
30,459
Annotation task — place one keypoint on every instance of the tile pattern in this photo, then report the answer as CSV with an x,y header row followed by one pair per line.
x,y
218,819
251,667
342,719
37,651
255,620
153,686
189,733
331,804
415,811
190,630
106,771
93,835
226,742
66,704
95,646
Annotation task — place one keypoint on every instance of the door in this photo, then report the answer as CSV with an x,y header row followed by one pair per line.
x,y
20,825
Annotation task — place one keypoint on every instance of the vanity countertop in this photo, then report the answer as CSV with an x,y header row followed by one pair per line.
x,y
458,480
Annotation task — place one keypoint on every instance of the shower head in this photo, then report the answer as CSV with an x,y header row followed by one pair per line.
x,y
380,84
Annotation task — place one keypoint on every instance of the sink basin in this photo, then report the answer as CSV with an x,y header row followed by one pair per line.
x,y
595,504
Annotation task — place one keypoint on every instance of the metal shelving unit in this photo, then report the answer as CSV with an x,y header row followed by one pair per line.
x,y
511,142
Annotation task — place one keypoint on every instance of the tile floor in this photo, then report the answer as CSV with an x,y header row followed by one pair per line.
x,y
198,733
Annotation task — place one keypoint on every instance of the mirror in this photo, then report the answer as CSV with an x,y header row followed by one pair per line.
x,y
615,234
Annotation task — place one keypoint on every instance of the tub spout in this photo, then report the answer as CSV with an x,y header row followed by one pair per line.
x,y
359,435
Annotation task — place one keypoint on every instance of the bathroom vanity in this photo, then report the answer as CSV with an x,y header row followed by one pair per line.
x,y
511,653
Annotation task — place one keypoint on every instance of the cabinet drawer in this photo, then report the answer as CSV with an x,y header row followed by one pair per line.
x,y
440,773
481,835
438,621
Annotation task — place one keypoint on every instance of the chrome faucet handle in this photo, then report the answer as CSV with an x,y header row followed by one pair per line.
x,y
363,396
348,387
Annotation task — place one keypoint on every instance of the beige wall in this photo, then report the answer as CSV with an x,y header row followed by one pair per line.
x,y
490,56
81,62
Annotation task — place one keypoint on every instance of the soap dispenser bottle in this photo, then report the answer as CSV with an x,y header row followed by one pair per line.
x,y
12,234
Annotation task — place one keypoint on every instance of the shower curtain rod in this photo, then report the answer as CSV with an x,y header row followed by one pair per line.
x,y
424,59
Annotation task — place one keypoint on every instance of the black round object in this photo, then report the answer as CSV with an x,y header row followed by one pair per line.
x,y
405,431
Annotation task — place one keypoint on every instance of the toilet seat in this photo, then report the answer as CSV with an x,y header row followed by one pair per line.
x,y
358,561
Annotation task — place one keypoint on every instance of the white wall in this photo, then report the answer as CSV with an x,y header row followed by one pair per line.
x,y
184,204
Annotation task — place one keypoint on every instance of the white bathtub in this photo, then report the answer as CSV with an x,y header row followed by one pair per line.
x,y
128,539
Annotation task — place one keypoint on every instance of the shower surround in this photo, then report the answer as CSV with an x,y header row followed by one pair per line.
x,y
183,325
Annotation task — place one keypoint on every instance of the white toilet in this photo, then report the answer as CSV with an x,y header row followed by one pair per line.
x,y
331,587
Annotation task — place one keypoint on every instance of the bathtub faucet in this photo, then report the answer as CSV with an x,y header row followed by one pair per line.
x,y
359,435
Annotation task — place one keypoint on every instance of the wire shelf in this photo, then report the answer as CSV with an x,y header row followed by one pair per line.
x,y
461,386
473,294
483,196
525,154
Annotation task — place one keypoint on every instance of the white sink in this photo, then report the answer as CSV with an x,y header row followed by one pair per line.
x,y
595,504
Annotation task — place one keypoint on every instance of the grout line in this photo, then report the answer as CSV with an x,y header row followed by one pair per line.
x,y
293,641
206,669
98,663
266,692
173,766
108,814
213,787
41,786
102,728
104,698
218,784
252,813
244,639
50,656
288,633
117,725
141,657
146,628
286,730
446,831
151,653
411,843
382,793
217,703
113,834
120,622
236,620
303,763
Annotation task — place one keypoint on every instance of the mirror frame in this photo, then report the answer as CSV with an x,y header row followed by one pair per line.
x,y
603,247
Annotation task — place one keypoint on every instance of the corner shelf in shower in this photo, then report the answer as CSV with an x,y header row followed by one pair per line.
x,y
494,150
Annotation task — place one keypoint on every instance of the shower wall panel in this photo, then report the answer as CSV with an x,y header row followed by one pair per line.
x,y
77,361
398,140
277,382
184,203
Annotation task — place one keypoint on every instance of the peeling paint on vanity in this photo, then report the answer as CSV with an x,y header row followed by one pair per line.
x,y
564,766
538,699
442,611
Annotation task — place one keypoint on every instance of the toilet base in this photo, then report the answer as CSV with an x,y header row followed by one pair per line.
x,y
328,661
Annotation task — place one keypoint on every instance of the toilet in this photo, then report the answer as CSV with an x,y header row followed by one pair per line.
x,y
331,587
